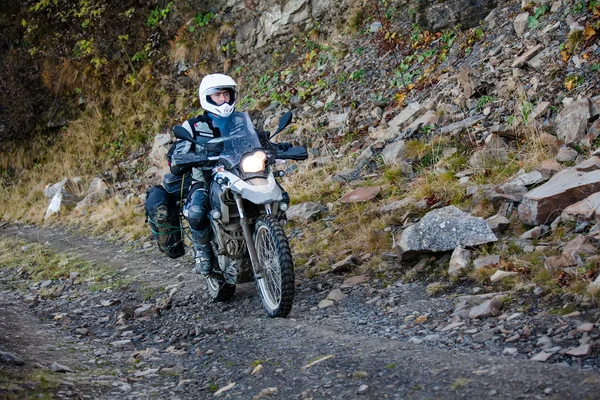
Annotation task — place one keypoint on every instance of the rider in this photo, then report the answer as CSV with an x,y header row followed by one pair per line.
x,y
217,94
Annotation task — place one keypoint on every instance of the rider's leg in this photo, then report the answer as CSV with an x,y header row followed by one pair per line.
x,y
200,228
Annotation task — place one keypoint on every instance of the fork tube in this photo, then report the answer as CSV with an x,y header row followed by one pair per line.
x,y
248,237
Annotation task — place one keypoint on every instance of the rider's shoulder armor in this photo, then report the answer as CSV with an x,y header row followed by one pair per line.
x,y
200,128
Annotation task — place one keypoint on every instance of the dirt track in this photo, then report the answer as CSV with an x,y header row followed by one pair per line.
x,y
192,347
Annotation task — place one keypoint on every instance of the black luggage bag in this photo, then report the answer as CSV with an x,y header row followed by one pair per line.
x,y
162,213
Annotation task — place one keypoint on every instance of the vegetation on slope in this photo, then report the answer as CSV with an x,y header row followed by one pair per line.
x,y
110,71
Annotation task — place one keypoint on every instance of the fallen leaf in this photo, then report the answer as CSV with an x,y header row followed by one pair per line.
x,y
569,84
224,389
320,360
399,98
588,32
257,369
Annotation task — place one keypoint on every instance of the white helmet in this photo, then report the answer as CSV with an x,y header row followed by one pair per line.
x,y
214,83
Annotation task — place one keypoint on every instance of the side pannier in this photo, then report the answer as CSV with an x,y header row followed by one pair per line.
x,y
162,212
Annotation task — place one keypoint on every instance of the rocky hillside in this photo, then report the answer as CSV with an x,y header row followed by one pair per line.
x,y
453,154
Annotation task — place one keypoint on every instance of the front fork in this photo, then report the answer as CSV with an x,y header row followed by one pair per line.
x,y
258,270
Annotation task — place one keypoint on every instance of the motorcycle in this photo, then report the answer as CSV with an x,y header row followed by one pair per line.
x,y
246,206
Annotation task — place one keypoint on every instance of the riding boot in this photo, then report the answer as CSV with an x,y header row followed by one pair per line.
x,y
203,256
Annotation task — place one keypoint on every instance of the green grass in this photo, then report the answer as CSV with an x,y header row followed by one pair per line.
x,y
38,262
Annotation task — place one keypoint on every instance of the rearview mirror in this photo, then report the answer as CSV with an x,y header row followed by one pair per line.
x,y
284,121
181,133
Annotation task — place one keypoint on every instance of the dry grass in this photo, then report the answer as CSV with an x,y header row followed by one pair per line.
x,y
442,187
316,184
101,137
433,289
119,215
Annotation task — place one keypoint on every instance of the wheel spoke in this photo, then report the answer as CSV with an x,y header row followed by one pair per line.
x,y
269,260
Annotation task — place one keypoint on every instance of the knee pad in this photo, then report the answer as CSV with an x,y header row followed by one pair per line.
x,y
198,210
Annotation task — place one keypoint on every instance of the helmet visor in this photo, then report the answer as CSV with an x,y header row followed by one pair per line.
x,y
214,90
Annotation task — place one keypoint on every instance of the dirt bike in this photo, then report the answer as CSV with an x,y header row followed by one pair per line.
x,y
246,205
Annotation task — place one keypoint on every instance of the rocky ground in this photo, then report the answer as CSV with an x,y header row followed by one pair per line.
x,y
158,336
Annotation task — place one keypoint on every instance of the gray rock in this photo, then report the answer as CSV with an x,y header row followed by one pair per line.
x,y
571,123
528,55
486,309
45,284
457,127
337,120
499,275
320,7
495,149
445,229
7,358
498,223
582,351
542,356
405,115
393,153
347,175
544,203
482,262
436,16
56,367
375,27
397,204
336,295
484,336
585,209
459,261
364,158
305,212
325,303
160,147
521,23
566,155
344,265
525,179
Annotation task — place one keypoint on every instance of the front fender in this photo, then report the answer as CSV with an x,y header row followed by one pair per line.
x,y
255,190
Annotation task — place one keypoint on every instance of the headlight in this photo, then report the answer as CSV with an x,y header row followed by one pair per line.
x,y
254,162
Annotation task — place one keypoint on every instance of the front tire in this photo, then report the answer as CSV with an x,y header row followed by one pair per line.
x,y
276,287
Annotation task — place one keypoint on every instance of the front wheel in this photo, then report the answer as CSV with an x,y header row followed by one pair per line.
x,y
276,287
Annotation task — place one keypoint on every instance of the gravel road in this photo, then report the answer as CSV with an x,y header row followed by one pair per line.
x,y
160,337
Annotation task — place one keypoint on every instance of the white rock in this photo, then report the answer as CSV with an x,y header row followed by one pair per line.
x,y
459,261
585,327
499,275
582,351
336,295
542,356
325,303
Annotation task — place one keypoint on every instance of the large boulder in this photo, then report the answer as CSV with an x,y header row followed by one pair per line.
x,y
571,123
62,195
546,202
160,147
435,15
444,229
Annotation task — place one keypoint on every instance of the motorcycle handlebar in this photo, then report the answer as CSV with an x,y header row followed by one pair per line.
x,y
189,160
298,153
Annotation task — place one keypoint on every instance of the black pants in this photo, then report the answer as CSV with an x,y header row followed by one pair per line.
x,y
197,213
